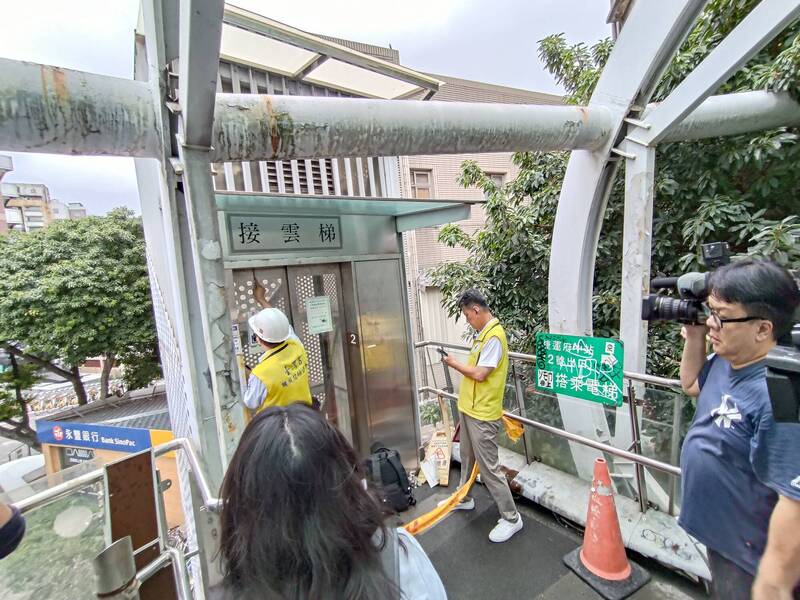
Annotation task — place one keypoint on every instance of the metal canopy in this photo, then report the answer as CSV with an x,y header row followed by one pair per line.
x,y
262,42
409,214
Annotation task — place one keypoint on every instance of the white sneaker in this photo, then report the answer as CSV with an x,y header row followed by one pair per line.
x,y
465,504
505,529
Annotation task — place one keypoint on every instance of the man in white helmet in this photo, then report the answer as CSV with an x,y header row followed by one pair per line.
x,y
281,376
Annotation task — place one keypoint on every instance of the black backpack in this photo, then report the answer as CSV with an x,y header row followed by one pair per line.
x,y
388,476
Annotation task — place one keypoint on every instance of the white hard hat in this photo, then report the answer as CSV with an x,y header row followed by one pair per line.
x,y
271,325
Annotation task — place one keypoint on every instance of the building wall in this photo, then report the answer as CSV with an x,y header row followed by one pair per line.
x,y
444,171
424,251
6,166
28,206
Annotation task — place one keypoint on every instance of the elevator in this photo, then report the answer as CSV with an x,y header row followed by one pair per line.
x,y
334,266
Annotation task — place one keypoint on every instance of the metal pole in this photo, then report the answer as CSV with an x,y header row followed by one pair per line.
x,y
654,379
641,484
61,111
521,407
255,127
636,250
62,489
574,437
675,450
732,114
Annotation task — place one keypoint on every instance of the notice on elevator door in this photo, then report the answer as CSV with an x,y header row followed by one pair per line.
x,y
318,314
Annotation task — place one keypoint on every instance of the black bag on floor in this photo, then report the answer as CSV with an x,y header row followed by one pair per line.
x,y
388,476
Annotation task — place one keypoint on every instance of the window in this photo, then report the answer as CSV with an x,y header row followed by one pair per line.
x,y
421,186
497,179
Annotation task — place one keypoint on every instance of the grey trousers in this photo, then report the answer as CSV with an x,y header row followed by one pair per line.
x,y
479,442
729,581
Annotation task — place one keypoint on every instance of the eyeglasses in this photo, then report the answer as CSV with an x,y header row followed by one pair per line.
x,y
717,321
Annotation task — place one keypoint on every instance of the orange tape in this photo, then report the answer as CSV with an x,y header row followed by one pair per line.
x,y
428,520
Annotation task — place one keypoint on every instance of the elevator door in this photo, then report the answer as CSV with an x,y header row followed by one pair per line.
x,y
311,297
385,344
315,293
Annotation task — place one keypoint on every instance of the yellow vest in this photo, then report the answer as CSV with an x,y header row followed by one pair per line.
x,y
284,372
484,400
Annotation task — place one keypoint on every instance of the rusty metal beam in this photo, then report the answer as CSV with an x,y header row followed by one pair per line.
x,y
253,127
60,111
732,114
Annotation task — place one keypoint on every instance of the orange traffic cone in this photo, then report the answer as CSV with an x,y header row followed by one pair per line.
x,y
601,561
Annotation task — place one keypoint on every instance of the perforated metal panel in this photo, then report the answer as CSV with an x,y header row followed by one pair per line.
x,y
303,287
274,282
177,402
329,285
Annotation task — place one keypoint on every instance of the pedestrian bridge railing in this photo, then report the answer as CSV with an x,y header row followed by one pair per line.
x,y
642,440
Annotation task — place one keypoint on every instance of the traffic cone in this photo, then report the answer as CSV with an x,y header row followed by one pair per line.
x,y
601,561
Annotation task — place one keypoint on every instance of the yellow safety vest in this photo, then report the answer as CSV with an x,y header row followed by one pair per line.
x,y
284,372
484,400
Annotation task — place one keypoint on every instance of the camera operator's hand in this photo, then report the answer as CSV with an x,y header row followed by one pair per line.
x,y
694,332
693,357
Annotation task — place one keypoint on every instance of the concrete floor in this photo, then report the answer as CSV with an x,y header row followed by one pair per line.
x,y
529,565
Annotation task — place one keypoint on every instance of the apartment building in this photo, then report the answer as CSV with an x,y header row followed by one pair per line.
x,y
28,206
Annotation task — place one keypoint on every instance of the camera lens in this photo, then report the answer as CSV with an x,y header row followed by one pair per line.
x,y
663,308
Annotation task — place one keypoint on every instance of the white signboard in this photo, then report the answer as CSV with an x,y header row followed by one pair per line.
x,y
318,314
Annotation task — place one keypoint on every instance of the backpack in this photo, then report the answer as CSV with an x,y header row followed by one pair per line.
x,y
388,476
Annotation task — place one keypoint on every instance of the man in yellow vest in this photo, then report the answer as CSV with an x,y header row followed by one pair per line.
x,y
281,376
480,402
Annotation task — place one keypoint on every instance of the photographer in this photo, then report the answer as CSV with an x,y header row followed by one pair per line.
x,y
729,497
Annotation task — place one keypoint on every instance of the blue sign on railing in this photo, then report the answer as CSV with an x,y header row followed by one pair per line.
x,y
89,435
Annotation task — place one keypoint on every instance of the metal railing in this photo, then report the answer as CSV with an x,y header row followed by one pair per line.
x,y
632,454
170,556
60,490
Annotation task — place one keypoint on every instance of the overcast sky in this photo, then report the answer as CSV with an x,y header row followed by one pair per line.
x,y
493,41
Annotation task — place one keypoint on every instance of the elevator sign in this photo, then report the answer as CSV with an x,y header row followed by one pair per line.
x,y
589,368
258,233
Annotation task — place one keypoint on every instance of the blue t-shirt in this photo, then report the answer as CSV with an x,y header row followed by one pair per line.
x,y
734,463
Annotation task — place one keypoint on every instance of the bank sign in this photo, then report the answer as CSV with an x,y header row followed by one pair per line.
x,y
88,435
583,367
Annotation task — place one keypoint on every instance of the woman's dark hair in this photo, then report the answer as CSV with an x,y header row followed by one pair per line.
x,y
763,288
296,521
472,297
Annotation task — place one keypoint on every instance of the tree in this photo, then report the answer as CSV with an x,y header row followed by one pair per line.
x,y
76,290
14,421
740,189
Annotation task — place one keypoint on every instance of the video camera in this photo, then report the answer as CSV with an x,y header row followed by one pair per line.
x,y
783,378
692,289
783,362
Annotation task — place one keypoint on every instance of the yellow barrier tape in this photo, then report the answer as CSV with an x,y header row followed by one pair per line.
x,y
428,520
514,430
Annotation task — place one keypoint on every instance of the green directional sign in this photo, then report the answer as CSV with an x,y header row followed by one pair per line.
x,y
589,368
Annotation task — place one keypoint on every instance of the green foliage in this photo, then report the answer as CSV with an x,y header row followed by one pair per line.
x,y
430,413
79,289
741,189
25,378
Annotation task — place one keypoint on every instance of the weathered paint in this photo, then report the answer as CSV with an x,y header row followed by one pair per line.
x,y
253,127
49,109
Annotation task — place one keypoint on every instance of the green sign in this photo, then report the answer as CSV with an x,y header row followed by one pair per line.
x,y
583,367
